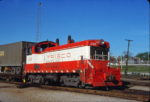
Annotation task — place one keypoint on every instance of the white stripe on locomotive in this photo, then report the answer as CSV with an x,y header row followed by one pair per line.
x,y
72,54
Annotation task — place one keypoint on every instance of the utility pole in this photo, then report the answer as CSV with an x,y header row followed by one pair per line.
x,y
38,33
127,57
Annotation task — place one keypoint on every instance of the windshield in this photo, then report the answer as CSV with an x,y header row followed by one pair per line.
x,y
99,53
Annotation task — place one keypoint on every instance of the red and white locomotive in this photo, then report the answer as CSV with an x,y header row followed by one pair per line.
x,y
73,64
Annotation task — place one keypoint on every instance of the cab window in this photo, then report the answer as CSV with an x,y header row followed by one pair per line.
x,y
99,53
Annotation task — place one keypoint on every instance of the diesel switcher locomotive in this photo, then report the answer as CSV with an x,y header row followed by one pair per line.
x,y
74,64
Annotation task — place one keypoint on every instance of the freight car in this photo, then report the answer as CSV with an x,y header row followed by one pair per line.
x,y
74,64
13,58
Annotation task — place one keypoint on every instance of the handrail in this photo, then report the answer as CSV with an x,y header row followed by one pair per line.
x,y
100,57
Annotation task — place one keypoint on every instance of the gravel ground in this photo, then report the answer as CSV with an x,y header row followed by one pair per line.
x,y
9,93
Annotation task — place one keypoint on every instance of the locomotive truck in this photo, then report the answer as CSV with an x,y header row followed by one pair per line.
x,y
77,64
74,64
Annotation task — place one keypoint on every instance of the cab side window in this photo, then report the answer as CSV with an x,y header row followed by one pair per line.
x,y
41,48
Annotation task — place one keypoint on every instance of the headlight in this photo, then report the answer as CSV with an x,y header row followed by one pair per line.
x,y
102,42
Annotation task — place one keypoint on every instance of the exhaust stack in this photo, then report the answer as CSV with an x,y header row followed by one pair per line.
x,y
57,41
70,40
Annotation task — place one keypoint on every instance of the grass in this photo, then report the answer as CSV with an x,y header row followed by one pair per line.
x,y
137,68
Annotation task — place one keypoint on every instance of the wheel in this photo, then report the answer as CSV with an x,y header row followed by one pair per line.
x,y
81,85
107,88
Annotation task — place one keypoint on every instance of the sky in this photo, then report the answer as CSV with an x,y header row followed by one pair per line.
x,y
111,20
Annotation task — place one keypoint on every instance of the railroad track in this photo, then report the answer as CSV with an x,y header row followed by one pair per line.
x,y
130,94
129,81
16,83
126,94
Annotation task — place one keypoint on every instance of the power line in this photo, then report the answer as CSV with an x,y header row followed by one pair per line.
x,y
127,56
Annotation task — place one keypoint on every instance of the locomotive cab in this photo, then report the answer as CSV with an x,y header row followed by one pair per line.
x,y
42,46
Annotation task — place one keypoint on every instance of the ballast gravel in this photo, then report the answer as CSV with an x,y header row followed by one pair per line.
x,y
9,93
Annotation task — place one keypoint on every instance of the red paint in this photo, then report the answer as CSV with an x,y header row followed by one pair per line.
x,y
95,76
